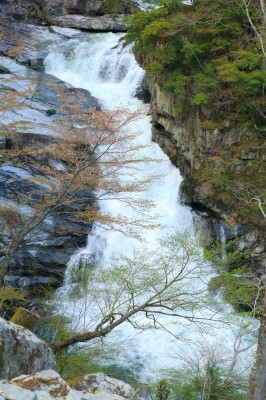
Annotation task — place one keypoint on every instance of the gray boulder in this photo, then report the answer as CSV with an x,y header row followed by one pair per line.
x,y
21,352
103,24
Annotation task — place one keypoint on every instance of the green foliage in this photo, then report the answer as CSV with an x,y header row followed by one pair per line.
x,y
226,257
209,372
208,383
235,281
222,179
9,300
238,290
163,391
200,98
10,294
113,6
89,359
198,51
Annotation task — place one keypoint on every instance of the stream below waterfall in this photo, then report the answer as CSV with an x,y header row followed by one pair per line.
x,y
102,64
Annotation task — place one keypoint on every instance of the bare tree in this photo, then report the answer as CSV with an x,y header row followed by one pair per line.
x,y
211,372
92,151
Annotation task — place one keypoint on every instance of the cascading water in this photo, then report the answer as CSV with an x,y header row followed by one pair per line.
x,y
104,66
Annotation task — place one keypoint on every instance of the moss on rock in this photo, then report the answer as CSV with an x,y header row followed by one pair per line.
x,y
25,318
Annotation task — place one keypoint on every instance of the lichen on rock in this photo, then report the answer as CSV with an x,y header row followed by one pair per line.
x,y
21,352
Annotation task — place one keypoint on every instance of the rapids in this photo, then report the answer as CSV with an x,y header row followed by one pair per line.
x,y
102,64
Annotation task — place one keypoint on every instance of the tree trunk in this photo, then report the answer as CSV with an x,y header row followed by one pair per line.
x,y
257,380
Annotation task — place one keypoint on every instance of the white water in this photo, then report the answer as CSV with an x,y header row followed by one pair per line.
x,y
99,63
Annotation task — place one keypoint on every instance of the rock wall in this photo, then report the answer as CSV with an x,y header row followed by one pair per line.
x,y
210,155
42,256
89,7
46,11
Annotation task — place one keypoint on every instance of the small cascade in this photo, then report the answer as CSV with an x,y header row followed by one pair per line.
x,y
222,237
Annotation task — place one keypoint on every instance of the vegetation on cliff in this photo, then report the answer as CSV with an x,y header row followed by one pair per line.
x,y
211,56
207,54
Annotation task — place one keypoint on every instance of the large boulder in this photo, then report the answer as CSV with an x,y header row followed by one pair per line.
x,y
101,382
21,352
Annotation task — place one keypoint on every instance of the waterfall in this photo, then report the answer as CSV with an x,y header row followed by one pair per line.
x,y
102,64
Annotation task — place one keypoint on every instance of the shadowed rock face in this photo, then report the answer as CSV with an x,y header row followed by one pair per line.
x,y
203,156
21,352
47,11
44,253
42,256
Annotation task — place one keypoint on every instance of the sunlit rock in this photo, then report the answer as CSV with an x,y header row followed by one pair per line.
x,y
101,382
21,352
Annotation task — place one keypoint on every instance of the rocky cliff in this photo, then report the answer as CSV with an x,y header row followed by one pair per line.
x,y
223,165
99,15
42,256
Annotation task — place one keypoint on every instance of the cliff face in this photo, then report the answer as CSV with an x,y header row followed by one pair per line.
x,y
41,257
46,10
217,161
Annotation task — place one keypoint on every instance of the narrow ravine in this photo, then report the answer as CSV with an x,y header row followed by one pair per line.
x,y
103,65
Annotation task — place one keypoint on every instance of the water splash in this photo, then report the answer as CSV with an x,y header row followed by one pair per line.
x,y
102,64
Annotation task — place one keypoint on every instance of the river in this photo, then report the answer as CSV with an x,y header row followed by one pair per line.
x,y
102,64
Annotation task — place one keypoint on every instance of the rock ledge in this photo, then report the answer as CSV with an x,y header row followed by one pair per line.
x,y
99,24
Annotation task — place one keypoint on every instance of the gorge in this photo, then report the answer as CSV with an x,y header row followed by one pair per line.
x,y
102,64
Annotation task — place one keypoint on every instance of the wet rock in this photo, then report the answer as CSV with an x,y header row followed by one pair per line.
x,y
213,157
143,92
42,256
99,24
41,10
4,70
22,352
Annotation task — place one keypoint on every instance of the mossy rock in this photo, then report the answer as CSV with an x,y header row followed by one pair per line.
x,y
25,318
10,299
119,7
76,382
10,294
